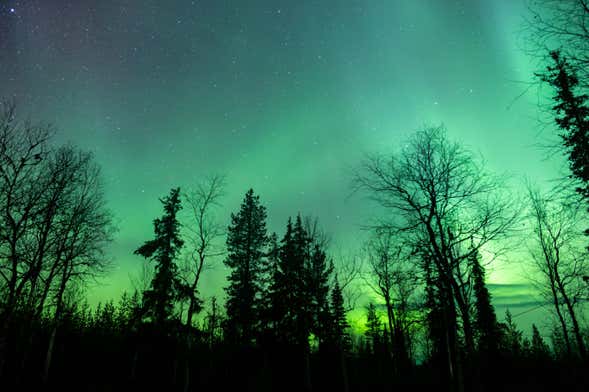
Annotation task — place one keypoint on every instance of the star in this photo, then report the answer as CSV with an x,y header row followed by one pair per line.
x,y
12,10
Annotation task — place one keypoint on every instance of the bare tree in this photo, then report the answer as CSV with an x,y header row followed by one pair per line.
x,y
205,231
315,232
560,260
560,24
22,148
82,231
54,226
439,197
348,266
394,276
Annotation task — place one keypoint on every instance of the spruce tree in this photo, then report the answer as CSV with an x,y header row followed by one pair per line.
x,y
166,288
539,348
318,275
293,302
246,246
270,292
572,117
301,296
485,320
512,337
435,314
281,288
340,324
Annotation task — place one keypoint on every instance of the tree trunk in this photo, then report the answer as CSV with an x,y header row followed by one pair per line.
x,y
56,320
344,369
450,327
563,325
576,329
49,355
307,376
391,322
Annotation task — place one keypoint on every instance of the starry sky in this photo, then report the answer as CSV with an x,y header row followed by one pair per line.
x,y
282,96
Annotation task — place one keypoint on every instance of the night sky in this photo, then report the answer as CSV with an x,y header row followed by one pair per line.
x,y
282,96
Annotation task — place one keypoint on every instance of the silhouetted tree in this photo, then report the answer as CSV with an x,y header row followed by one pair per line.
x,y
318,276
553,24
23,146
340,324
440,198
339,337
560,262
373,328
166,288
204,232
80,235
213,324
539,349
271,303
54,226
512,336
394,276
572,117
246,247
292,285
485,318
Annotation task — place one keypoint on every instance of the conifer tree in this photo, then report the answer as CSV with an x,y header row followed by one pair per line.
x,y
246,246
513,337
485,320
435,313
539,348
572,117
270,291
165,288
293,305
318,275
373,328
340,323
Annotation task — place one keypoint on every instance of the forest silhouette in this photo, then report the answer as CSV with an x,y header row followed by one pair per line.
x,y
283,323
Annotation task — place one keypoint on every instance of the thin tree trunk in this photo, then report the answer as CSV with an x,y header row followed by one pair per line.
x,y
565,333
344,369
454,362
307,376
576,329
49,355
56,321
134,364
391,322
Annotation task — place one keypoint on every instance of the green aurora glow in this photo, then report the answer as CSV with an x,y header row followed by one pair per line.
x,y
281,96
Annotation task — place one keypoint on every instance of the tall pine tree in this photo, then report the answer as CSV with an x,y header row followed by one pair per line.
x,y
293,303
246,247
318,275
166,288
340,324
485,317
539,349
512,336
572,117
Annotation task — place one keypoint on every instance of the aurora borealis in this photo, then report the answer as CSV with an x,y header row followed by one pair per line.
x,y
281,96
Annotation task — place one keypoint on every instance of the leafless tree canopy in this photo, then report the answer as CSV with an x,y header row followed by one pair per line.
x,y
560,24
439,193
54,224
438,199
560,262
393,275
204,234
